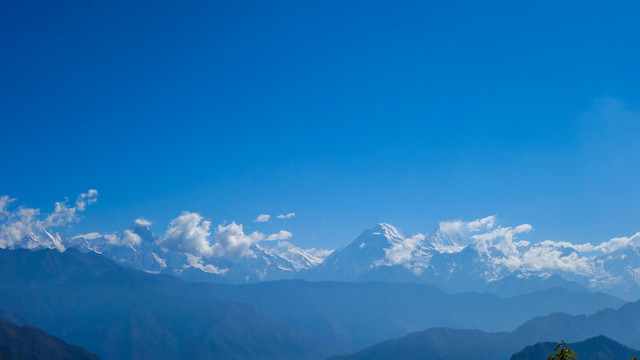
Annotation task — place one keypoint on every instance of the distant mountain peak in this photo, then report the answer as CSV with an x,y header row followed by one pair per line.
x,y
143,229
392,233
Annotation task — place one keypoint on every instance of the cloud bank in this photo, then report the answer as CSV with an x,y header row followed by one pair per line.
x,y
27,227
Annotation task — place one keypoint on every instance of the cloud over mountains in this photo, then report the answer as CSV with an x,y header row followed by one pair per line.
x,y
461,252
24,226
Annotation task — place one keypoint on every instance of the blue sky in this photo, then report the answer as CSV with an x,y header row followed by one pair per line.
x,y
346,113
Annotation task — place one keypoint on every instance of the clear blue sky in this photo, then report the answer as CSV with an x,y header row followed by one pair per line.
x,y
344,112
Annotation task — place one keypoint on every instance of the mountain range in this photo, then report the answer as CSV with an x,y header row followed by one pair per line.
x,y
478,345
122,313
457,256
621,325
25,342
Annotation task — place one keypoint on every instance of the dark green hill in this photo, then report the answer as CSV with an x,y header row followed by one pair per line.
x,y
595,348
28,343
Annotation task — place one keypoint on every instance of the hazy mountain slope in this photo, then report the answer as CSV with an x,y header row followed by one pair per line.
x,y
595,348
449,344
622,325
126,314
350,316
156,315
44,268
435,344
25,342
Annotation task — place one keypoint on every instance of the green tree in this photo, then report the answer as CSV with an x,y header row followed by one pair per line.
x,y
562,352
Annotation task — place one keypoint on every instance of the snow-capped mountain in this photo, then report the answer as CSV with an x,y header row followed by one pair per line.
x,y
460,256
368,258
139,248
481,256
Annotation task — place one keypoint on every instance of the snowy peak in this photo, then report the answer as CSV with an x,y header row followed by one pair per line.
x,y
142,228
379,236
301,259
389,231
457,255
453,236
381,246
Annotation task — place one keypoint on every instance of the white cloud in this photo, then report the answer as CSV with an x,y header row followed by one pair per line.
x,y
452,236
111,238
262,218
282,235
619,243
287,216
189,233
231,240
61,215
142,222
27,227
196,262
547,257
83,200
5,200
503,232
481,224
128,238
500,239
404,251
462,227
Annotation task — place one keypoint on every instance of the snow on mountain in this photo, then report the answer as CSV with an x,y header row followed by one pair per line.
x,y
457,255
301,259
480,255
139,248
453,236
380,247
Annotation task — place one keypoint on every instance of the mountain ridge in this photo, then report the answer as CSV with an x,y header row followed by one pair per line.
x,y
457,256
107,304
26,342
448,343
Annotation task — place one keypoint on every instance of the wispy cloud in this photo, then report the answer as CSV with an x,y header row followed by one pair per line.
x,y
405,251
83,200
287,216
142,222
5,200
281,235
128,238
262,218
